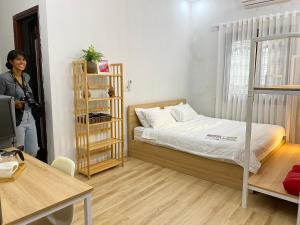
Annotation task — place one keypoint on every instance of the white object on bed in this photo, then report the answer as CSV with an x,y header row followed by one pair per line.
x,y
159,118
190,137
182,112
171,106
140,114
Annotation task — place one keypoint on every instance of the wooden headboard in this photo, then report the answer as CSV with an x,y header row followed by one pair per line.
x,y
132,119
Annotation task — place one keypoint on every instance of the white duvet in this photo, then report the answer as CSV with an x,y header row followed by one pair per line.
x,y
191,137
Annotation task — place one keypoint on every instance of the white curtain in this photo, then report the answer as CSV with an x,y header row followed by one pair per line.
x,y
272,68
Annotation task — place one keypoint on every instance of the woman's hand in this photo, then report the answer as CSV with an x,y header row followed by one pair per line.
x,y
19,104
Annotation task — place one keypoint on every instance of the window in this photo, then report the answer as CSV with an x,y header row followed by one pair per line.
x,y
239,67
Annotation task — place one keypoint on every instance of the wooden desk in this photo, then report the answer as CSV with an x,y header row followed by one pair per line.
x,y
39,191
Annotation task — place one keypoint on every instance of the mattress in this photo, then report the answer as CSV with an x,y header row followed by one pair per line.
x,y
191,137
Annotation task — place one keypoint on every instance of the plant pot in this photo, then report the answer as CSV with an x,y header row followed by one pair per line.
x,y
91,67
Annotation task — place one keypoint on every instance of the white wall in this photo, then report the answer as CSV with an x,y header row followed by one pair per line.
x,y
151,38
9,8
203,64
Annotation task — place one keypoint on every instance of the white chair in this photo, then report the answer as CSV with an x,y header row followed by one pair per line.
x,y
65,165
65,215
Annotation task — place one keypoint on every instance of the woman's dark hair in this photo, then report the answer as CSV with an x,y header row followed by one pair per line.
x,y
13,54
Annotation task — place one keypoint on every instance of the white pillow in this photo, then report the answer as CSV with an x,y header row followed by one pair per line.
x,y
140,114
183,112
159,118
171,106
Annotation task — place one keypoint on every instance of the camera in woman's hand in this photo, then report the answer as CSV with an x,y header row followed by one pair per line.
x,y
29,99
19,104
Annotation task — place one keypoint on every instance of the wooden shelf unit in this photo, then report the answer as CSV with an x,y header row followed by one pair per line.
x,y
100,145
95,168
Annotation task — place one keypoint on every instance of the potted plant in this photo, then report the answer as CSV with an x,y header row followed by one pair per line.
x,y
92,57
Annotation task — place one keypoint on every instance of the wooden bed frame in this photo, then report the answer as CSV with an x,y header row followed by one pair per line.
x,y
208,169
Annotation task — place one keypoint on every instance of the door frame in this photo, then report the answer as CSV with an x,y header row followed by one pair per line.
x,y
17,25
18,34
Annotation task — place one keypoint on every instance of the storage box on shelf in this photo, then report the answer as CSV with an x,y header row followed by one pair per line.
x,y
99,118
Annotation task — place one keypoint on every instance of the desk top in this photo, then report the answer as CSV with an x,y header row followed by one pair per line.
x,y
38,188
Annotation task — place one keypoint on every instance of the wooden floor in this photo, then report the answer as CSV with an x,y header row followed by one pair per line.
x,y
142,193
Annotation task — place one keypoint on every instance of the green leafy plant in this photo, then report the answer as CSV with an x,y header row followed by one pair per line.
x,y
91,55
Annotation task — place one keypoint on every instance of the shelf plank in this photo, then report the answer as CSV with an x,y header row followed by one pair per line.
x,y
104,99
94,131
293,87
101,87
93,86
104,74
274,170
103,143
99,109
97,152
282,90
101,166
104,165
92,110
113,120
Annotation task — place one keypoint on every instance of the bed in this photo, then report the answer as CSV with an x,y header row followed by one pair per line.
x,y
185,146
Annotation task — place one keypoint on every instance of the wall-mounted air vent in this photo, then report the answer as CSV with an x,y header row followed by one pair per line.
x,y
259,3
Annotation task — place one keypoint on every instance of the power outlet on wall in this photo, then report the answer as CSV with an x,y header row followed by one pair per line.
x,y
128,85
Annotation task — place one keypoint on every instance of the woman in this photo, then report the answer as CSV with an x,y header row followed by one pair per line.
x,y
15,83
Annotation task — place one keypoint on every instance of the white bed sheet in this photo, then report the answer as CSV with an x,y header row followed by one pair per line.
x,y
190,137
